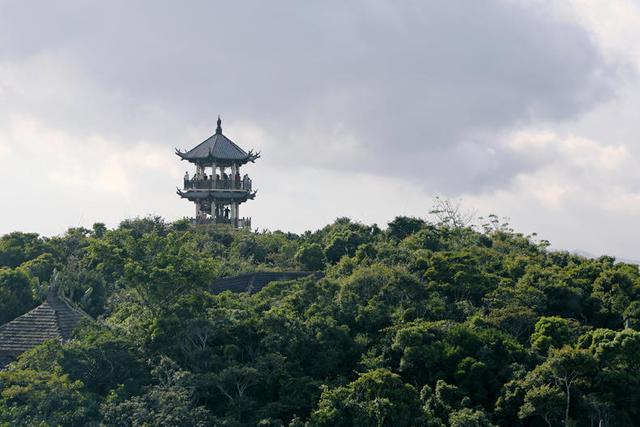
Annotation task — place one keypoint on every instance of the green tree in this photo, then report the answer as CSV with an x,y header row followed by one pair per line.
x,y
16,294
98,230
459,276
310,257
83,285
616,394
40,268
378,398
168,403
480,321
567,370
249,246
403,226
515,309
631,315
550,332
17,248
29,398
164,267
615,289
545,401
468,417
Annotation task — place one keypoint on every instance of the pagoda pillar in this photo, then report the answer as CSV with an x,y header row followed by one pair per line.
x,y
234,212
213,207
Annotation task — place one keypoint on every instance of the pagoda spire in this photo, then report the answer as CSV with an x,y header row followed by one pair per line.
x,y
219,128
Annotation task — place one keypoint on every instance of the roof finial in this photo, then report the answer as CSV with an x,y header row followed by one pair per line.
x,y
219,128
54,286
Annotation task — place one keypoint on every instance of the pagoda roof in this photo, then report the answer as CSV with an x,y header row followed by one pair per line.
x,y
56,318
218,148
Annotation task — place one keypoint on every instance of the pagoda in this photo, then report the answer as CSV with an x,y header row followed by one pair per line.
x,y
217,188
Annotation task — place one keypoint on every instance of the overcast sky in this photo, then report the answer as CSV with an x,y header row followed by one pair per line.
x,y
367,109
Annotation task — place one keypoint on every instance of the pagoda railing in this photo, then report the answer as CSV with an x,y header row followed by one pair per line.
x,y
217,184
238,222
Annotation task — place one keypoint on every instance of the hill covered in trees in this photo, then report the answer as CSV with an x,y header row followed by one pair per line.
x,y
417,324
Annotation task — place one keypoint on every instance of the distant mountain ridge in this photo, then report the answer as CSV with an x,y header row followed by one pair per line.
x,y
590,255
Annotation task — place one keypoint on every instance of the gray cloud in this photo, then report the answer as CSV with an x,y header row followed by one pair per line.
x,y
364,109
410,85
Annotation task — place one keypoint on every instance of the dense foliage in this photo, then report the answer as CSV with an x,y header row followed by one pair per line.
x,y
417,324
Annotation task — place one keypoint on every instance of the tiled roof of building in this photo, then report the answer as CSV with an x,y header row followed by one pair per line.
x,y
56,318
253,282
218,148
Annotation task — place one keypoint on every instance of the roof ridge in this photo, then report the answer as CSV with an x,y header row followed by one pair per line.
x,y
57,322
224,138
73,306
254,281
206,140
235,145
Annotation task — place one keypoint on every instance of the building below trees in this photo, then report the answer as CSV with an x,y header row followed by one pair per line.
x,y
54,319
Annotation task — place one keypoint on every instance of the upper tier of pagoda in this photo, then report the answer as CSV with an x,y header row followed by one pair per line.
x,y
219,150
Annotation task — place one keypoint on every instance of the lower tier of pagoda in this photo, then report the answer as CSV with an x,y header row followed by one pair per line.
x,y
217,196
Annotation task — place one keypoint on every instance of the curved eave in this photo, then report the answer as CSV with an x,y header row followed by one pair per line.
x,y
230,195
209,159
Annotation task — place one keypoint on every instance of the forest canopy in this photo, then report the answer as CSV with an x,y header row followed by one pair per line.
x,y
419,323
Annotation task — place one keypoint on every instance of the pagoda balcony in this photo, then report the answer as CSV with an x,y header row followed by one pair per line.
x,y
217,184
237,223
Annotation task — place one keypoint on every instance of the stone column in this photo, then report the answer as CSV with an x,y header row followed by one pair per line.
x,y
222,168
232,175
213,210
234,214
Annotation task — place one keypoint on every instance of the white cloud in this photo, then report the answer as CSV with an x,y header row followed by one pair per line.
x,y
576,152
55,180
5,150
614,24
582,194
91,163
